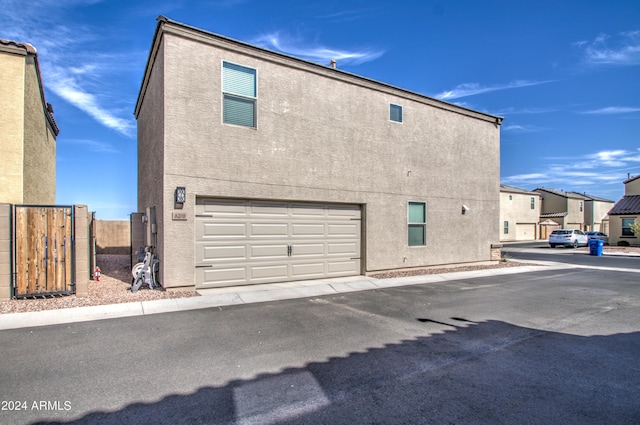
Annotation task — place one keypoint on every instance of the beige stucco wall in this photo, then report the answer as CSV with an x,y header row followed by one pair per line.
x,y
151,147
517,210
595,212
615,230
12,75
322,136
39,144
632,187
27,140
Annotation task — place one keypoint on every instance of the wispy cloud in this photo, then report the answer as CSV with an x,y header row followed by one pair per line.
x,y
471,89
64,83
317,53
621,49
69,70
92,145
520,128
613,110
344,16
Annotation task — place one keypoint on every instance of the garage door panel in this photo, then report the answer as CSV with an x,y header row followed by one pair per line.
x,y
340,267
308,270
212,253
348,212
302,210
277,272
268,209
222,277
340,230
307,229
235,208
264,252
309,249
348,248
210,230
278,230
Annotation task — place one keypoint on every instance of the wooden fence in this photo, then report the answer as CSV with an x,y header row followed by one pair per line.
x,y
43,250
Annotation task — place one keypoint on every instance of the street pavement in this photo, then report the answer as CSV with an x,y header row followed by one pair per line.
x,y
546,344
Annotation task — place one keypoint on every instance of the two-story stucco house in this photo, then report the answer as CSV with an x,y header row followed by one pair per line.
x,y
624,213
519,214
257,167
595,212
565,208
28,130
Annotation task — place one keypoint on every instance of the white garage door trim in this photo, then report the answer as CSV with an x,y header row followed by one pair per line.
x,y
244,242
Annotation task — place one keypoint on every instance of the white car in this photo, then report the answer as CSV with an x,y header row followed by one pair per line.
x,y
568,237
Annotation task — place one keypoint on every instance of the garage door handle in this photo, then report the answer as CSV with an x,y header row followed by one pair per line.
x,y
289,250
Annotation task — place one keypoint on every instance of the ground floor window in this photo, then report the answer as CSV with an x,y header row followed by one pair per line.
x,y
417,223
626,226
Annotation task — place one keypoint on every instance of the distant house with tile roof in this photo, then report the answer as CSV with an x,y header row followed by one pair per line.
x,y
625,212
28,130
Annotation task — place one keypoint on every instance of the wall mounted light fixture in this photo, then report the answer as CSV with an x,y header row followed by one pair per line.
x,y
464,209
181,195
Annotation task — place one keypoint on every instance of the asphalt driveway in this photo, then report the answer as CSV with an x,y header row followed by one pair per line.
x,y
558,346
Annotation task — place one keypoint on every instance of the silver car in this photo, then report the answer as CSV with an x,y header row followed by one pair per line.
x,y
598,235
568,237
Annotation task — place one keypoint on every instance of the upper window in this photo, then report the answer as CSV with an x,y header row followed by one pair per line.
x,y
417,223
626,226
239,95
505,228
580,206
395,112
533,203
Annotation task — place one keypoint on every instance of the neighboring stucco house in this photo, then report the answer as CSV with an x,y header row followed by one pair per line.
x,y
565,208
595,212
519,214
257,167
28,130
624,213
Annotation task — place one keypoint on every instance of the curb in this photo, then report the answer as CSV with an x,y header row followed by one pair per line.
x,y
306,290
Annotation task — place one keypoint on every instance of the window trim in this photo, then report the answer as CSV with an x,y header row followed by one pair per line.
x,y
238,96
414,224
391,105
630,234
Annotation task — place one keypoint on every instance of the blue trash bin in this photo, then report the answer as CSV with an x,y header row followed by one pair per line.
x,y
595,247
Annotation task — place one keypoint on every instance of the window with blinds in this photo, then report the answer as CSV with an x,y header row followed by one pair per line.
x,y
239,95
395,112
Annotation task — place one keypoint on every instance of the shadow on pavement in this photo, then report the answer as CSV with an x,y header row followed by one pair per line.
x,y
487,372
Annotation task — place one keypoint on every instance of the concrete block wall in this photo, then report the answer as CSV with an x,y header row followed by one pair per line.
x,y
5,252
82,273
113,237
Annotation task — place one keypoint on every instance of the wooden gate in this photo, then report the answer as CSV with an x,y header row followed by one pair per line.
x,y
43,251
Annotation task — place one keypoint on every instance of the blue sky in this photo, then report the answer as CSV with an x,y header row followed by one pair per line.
x,y
564,74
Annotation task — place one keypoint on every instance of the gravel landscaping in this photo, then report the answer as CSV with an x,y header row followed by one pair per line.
x,y
114,285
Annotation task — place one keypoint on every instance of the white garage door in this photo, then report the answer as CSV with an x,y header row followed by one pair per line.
x,y
241,242
525,231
